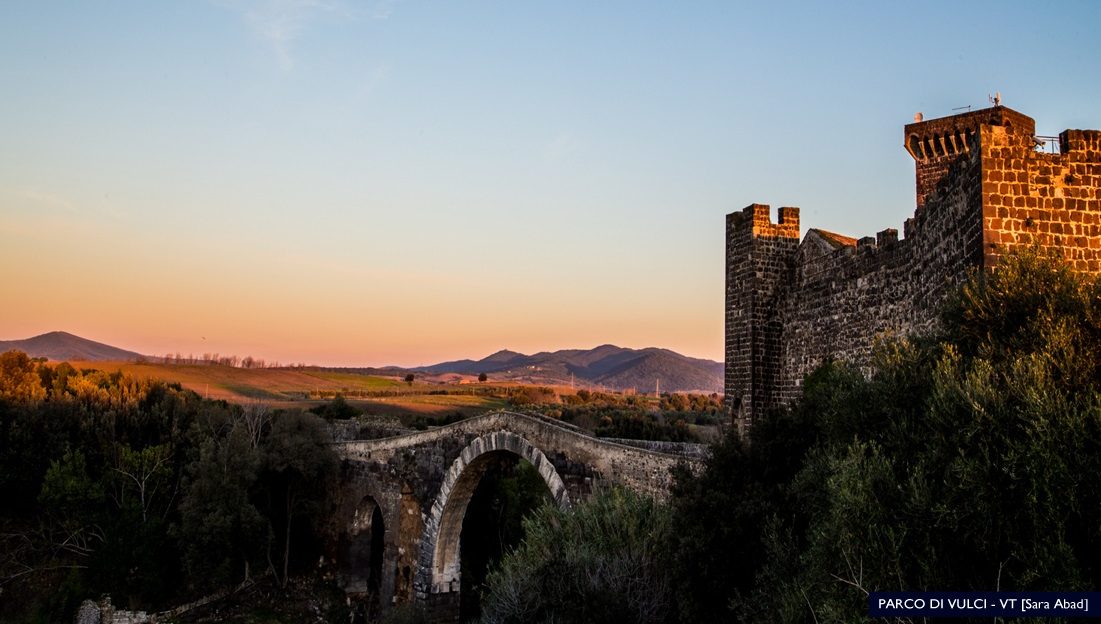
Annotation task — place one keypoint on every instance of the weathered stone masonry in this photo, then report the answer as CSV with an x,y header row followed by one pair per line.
x,y
983,189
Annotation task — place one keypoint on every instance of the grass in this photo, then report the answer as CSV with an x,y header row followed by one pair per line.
x,y
357,381
250,384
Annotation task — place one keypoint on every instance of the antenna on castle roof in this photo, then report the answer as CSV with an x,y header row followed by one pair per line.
x,y
966,108
996,100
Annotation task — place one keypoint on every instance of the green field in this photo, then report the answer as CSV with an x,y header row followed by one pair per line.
x,y
359,382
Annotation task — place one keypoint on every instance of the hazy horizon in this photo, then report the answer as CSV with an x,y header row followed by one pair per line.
x,y
475,357
403,183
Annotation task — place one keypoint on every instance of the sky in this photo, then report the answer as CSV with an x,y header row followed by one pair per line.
x,y
406,182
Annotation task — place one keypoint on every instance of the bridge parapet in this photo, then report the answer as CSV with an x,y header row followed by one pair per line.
x,y
689,451
640,465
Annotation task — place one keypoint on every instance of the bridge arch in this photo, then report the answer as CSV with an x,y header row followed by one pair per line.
x,y
440,564
362,552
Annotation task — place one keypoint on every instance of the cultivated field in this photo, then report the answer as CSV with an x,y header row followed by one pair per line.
x,y
304,387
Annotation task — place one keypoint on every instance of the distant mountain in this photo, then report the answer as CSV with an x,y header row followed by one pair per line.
x,y
498,361
607,365
59,345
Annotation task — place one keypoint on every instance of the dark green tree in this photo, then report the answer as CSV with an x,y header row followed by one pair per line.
x,y
298,463
602,561
337,409
222,533
68,492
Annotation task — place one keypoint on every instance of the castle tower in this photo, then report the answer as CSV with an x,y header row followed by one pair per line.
x,y
759,255
1019,196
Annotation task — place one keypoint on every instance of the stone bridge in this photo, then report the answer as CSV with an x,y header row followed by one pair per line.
x,y
396,525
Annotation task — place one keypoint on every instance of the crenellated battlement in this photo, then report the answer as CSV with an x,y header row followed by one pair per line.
x,y
757,219
1085,141
983,188
886,237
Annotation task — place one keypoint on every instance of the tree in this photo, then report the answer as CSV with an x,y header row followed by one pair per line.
x,y
715,547
298,462
67,489
599,562
409,378
337,409
18,380
143,473
221,530
482,377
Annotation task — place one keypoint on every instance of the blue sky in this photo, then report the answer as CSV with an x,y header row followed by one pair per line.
x,y
407,182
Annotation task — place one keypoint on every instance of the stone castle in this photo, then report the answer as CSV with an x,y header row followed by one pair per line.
x,y
986,185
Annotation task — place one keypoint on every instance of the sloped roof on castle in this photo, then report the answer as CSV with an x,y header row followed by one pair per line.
x,y
834,239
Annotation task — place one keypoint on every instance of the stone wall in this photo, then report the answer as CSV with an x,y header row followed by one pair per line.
x,y
1053,201
688,450
759,256
104,612
982,189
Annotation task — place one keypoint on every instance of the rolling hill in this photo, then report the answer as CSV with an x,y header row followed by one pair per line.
x,y
610,366
607,366
59,345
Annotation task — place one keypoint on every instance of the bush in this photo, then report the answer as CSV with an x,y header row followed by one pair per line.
x,y
600,562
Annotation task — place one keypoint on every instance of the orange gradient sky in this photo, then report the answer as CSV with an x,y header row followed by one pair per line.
x,y
156,292
403,182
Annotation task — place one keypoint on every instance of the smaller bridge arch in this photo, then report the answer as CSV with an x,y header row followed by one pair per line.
x,y
362,552
440,564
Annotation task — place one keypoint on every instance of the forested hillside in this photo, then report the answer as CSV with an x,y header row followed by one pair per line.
x,y
144,491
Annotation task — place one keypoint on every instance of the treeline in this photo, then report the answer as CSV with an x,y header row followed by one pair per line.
x,y
967,461
144,491
217,359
